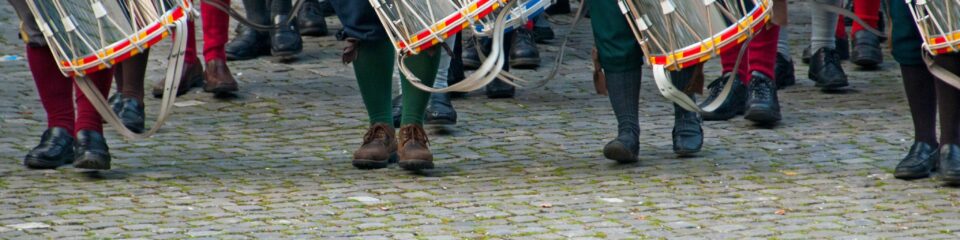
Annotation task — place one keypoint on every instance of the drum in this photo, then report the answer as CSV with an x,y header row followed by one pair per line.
x,y
676,34
415,26
93,35
525,10
939,24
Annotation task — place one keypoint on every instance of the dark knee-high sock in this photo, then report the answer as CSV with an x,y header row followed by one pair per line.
x,y
280,7
948,98
922,98
258,11
87,116
132,76
424,66
374,70
56,90
624,92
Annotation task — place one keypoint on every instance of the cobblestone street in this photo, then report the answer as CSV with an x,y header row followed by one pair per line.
x,y
274,162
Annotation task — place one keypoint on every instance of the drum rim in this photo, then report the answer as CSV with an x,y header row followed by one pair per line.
x,y
536,6
145,38
703,51
450,25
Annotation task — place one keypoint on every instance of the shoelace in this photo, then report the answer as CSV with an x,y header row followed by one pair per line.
x,y
414,133
378,131
761,89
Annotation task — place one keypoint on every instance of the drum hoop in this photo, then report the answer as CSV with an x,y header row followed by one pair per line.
x,y
122,50
705,50
938,42
531,10
449,26
943,44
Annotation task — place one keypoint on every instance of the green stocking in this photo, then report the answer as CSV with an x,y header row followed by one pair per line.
x,y
424,66
374,70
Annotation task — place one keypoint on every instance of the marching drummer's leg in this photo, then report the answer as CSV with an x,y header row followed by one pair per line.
x,y
763,105
92,151
948,98
216,27
621,59
866,48
55,90
687,125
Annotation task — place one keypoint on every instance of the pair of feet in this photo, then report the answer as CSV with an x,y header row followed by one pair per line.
x,y
825,68
924,159
381,146
523,51
687,138
58,147
216,79
284,42
758,102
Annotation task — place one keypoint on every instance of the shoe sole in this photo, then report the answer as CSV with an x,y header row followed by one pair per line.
x,y
762,115
687,152
867,62
911,176
368,164
92,164
950,180
415,164
37,163
441,122
525,63
620,154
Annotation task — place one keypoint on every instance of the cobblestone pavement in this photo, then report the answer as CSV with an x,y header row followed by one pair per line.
x,y
275,163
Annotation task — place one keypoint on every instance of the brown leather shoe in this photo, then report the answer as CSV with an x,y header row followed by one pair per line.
x,y
192,77
414,154
379,146
218,78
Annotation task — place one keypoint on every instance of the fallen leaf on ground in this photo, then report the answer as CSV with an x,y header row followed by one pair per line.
x,y
781,212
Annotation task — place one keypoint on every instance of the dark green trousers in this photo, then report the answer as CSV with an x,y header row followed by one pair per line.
x,y
616,45
907,42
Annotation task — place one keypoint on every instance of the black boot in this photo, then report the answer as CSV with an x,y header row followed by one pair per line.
x,y
784,71
826,71
311,20
440,110
950,164
624,93
55,150
397,110
687,130
866,52
919,162
250,43
734,104
763,105
92,151
543,34
286,41
500,89
131,114
471,59
843,51
524,54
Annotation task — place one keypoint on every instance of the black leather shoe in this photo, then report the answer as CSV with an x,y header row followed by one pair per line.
x,y
500,89
623,149
248,44
734,104
826,71
919,162
311,20
397,110
471,59
950,164
784,71
524,54
763,105
55,150
440,110
286,41
131,114
543,34
866,52
92,151
687,132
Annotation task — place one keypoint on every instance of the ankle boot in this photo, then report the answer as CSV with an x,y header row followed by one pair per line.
x,y
55,150
500,89
624,93
524,53
286,41
413,152
440,110
826,71
471,59
687,130
91,151
250,43
379,146
866,49
311,20
131,114
733,105
763,104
